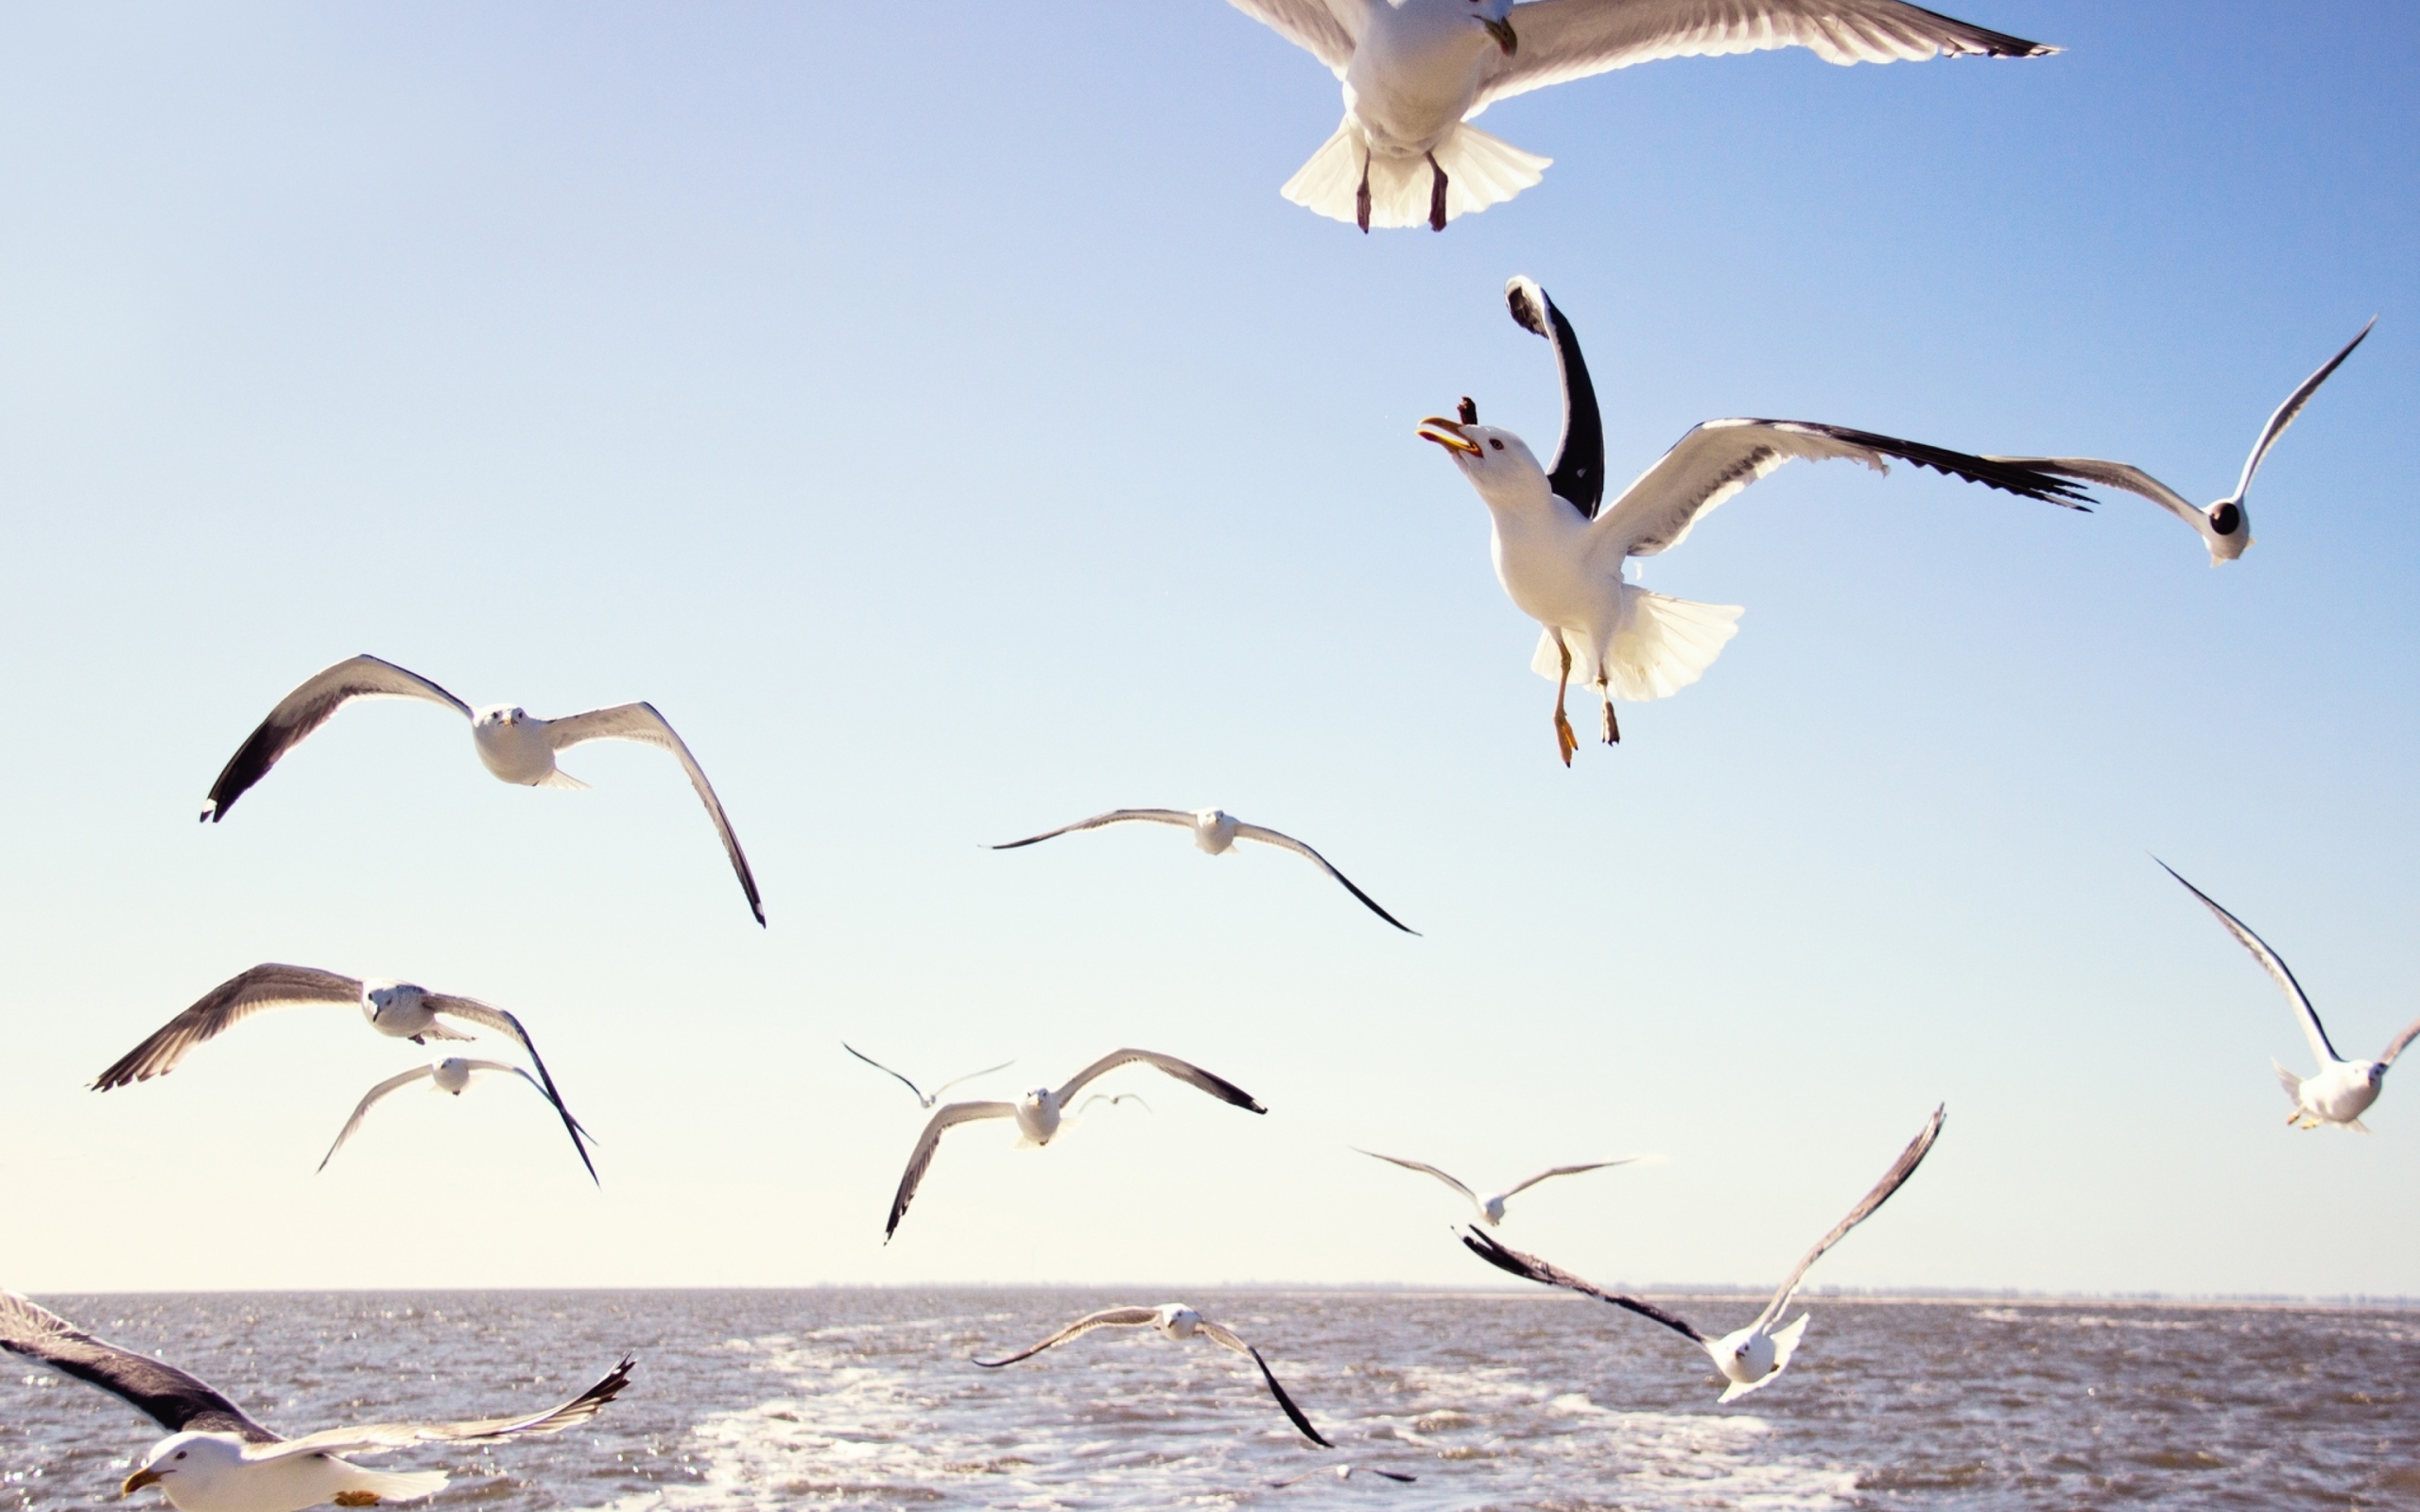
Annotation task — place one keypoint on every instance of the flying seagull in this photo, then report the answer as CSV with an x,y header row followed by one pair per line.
x,y
923,1099
215,1459
451,1075
1343,1472
1560,557
2223,527
403,1010
1177,1321
2340,1090
1215,832
1038,1114
1416,72
1748,1357
514,744
1491,1206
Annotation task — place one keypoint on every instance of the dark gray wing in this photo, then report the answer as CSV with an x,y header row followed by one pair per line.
x,y
877,1065
2292,406
305,710
1115,1317
1530,1267
1220,1334
1286,842
640,722
947,1117
162,1393
1892,1179
1113,816
377,1437
1184,1071
503,1023
1578,476
258,990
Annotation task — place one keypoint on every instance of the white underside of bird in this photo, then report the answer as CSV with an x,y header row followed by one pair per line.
x,y
212,1472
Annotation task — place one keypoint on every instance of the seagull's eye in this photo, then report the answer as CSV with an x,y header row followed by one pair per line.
x,y
180,1454
1492,441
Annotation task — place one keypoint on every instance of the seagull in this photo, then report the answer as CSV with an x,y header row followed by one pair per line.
x,y
1560,557
514,744
2342,1090
452,1074
1177,1321
402,1010
1748,1357
923,1099
1343,1472
2223,527
215,1459
1038,1114
1215,831
1415,73
1491,1207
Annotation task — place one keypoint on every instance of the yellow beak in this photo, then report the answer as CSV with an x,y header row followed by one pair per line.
x,y
139,1480
1447,433
1502,32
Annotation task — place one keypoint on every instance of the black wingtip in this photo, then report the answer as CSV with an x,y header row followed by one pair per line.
x,y
1529,315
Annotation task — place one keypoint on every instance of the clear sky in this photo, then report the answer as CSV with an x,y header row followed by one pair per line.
x,y
937,413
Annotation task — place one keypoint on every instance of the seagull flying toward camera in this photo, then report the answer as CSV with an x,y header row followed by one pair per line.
x,y
451,1075
923,1099
513,744
1748,1357
1416,72
1560,557
215,1459
400,1010
2340,1090
2224,528
1491,1206
1041,1112
1180,1322
1215,832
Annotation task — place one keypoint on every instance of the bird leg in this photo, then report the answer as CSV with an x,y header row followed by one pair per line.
x,y
357,1499
1361,196
1565,742
1436,194
1613,726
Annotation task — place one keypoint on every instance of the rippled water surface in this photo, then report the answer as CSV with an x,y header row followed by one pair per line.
x,y
749,1400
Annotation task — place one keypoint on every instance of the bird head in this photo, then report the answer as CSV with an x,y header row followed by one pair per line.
x,y
1177,1320
2376,1073
1495,15
507,714
1498,463
2226,530
194,1458
450,1074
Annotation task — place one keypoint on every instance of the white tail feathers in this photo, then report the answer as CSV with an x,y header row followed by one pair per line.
x,y
559,778
389,1488
1660,645
2293,1083
1480,170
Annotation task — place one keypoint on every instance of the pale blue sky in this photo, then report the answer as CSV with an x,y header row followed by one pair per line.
x,y
948,426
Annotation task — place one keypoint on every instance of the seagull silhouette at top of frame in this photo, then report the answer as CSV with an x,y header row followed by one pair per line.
x,y
1561,556
2340,1090
1041,1114
217,1459
1748,1357
1176,1321
1416,72
400,1010
2224,526
923,1099
513,744
1215,833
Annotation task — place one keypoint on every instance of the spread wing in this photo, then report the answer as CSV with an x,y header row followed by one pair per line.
x,y
1566,1170
1721,457
305,710
162,1393
2275,966
377,1437
902,1081
2410,1033
1115,1317
2292,407
2113,475
1286,842
1192,1075
1425,1166
502,1022
1564,40
258,990
1327,29
926,1142
1113,816
1530,1267
640,722
1892,1179
1578,476
1220,1334
372,1099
